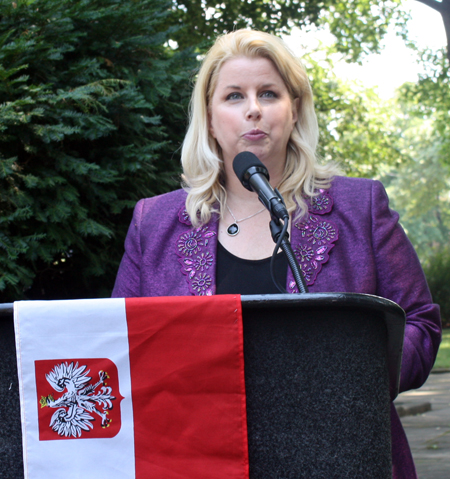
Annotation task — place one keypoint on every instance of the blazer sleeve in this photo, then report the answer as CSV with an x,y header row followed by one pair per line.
x,y
401,279
127,283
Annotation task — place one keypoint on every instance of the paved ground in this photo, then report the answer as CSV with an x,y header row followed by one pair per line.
x,y
427,425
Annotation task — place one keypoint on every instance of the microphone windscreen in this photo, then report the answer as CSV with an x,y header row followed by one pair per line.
x,y
243,161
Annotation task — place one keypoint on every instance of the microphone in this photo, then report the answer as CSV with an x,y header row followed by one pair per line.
x,y
254,176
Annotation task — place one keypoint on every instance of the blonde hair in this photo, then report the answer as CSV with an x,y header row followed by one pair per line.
x,y
201,155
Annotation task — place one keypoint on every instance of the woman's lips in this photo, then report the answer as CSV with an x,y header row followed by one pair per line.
x,y
254,135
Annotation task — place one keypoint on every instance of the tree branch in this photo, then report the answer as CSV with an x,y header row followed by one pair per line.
x,y
444,9
438,6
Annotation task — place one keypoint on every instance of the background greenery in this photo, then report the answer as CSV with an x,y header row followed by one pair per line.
x,y
443,357
93,106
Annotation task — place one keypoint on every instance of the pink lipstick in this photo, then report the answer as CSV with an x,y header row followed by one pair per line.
x,y
254,135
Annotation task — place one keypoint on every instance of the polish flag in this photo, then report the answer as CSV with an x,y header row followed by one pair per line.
x,y
132,388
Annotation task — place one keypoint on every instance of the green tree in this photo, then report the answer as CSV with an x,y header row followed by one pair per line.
x,y
93,107
356,127
358,25
419,190
88,94
429,98
437,271
420,185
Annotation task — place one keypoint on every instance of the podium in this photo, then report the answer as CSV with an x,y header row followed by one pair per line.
x,y
320,372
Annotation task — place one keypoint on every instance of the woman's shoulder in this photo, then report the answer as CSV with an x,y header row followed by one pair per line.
x,y
348,187
170,199
160,209
345,183
164,203
358,195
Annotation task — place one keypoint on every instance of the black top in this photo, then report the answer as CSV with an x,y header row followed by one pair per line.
x,y
243,276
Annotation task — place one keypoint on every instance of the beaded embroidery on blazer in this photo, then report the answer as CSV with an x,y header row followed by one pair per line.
x,y
317,237
196,254
311,243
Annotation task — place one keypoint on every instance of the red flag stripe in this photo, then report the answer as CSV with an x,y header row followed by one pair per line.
x,y
187,376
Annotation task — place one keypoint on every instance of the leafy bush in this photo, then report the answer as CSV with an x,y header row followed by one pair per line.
x,y
88,92
437,271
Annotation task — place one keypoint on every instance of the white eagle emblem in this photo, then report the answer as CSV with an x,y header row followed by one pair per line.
x,y
80,399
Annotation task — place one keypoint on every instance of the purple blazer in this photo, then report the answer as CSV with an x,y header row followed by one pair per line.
x,y
349,242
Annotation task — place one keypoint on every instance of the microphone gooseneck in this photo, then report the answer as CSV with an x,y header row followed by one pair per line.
x,y
254,176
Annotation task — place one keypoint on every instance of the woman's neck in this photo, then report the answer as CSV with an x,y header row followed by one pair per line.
x,y
237,193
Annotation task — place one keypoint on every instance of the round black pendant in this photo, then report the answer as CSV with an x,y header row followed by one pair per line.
x,y
233,229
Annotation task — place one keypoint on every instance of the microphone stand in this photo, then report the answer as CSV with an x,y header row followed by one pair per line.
x,y
280,236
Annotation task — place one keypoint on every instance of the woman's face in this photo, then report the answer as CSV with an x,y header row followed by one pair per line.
x,y
251,110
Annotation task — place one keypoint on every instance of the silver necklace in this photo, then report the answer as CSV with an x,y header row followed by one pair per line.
x,y
233,229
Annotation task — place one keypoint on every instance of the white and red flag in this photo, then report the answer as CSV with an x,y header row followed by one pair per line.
x,y
132,388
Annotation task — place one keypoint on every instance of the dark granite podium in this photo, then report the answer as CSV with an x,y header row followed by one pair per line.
x,y
320,371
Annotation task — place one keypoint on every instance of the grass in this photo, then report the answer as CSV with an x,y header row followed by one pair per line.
x,y
443,357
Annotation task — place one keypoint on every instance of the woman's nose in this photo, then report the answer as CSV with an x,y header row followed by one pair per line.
x,y
254,109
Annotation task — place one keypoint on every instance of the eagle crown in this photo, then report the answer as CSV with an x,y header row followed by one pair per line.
x,y
45,400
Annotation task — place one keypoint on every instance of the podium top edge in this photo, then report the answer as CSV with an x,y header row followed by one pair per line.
x,y
351,300
6,309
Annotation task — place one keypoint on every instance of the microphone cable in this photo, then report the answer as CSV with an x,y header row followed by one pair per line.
x,y
275,251
254,176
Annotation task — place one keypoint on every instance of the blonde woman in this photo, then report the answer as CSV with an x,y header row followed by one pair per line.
x,y
212,236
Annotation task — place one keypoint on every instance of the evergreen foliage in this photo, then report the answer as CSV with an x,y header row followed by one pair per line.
x,y
92,108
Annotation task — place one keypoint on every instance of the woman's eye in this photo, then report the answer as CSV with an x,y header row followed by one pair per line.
x,y
234,96
269,94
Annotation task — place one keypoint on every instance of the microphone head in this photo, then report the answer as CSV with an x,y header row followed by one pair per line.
x,y
246,164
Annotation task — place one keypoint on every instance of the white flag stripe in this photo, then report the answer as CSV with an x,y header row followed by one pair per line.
x,y
65,330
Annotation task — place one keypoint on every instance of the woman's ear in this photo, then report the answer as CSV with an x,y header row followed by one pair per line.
x,y
295,107
210,125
